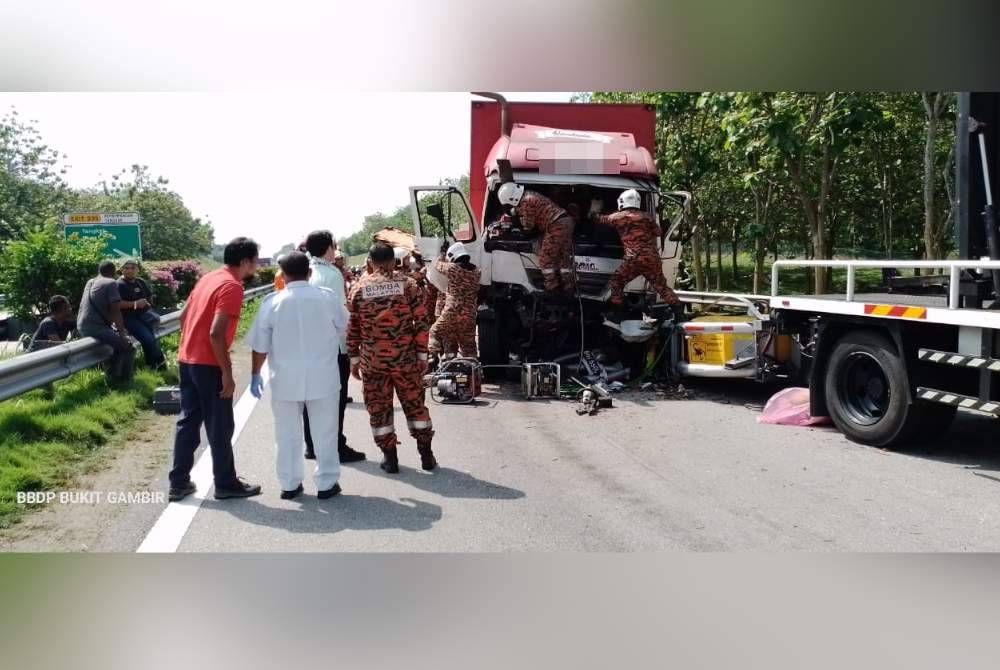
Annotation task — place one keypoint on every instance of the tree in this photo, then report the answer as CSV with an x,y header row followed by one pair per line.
x,y
935,106
169,231
811,132
32,191
45,264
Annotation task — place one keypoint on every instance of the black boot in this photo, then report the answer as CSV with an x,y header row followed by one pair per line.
x,y
390,461
427,460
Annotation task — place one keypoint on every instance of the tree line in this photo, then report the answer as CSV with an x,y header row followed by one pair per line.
x,y
34,195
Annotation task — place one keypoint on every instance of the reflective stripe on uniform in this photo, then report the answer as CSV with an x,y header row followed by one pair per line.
x,y
417,425
379,431
548,271
568,271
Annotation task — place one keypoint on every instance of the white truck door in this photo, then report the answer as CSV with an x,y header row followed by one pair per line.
x,y
672,242
441,216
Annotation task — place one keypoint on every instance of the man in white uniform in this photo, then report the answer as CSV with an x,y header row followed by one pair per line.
x,y
292,331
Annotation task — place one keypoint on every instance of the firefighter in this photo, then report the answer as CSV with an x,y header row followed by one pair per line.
x,y
555,258
457,323
387,344
418,271
639,233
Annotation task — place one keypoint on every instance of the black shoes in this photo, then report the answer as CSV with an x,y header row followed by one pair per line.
x,y
290,495
390,461
329,493
348,455
180,493
241,490
427,460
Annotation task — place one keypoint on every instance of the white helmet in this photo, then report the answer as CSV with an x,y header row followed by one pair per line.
x,y
629,199
510,193
400,254
455,252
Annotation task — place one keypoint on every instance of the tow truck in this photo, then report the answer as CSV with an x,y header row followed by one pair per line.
x,y
887,367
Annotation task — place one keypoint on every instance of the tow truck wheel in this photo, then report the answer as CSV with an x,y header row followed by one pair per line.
x,y
867,390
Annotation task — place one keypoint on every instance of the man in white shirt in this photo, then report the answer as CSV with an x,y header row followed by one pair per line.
x,y
322,248
292,332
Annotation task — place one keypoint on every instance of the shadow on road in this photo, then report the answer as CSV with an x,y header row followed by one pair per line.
x,y
447,482
973,442
344,512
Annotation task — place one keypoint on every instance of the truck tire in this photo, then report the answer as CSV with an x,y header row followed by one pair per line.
x,y
867,390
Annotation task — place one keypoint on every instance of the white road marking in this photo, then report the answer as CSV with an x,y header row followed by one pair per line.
x,y
168,531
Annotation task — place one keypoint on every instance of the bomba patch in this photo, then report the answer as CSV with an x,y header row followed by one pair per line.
x,y
381,290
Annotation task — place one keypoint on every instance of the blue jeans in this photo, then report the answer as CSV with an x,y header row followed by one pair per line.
x,y
150,347
201,404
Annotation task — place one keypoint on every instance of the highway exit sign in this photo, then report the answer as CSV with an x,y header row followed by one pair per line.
x,y
101,217
121,240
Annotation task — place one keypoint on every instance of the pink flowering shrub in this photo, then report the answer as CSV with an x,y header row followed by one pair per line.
x,y
185,273
165,290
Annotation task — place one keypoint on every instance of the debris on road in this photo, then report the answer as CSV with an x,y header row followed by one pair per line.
x,y
790,407
592,397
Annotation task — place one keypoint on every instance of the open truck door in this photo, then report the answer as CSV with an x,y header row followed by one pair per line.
x,y
674,210
441,217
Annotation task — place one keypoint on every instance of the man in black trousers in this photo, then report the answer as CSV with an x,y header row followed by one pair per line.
x,y
208,327
322,250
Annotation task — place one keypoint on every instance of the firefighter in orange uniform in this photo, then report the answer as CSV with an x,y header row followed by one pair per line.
x,y
555,258
639,233
455,329
387,344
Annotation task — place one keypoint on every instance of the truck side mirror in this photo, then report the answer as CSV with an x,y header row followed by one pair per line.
x,y
435,210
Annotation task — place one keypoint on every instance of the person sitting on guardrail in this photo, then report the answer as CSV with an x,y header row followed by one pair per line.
x,y
100,317
140,317
56,327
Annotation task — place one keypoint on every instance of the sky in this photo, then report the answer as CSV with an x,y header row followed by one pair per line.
x,y
270,165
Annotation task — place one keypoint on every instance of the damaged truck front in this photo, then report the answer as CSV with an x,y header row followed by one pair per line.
x,y
574,154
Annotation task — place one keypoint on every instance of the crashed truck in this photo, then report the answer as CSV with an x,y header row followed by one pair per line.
x,y
888,366
573,153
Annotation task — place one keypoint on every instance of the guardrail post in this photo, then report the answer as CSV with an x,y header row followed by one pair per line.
x,y
850,283
774,279
954,283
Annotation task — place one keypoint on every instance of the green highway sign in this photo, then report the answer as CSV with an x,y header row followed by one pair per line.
x,y
122,241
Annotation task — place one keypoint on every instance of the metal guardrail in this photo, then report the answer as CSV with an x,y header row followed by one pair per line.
x,y
34,370
953,267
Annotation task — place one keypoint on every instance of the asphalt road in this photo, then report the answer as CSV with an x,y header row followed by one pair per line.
x,y
649,474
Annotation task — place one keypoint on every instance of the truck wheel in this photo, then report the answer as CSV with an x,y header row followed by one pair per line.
x,y
867,390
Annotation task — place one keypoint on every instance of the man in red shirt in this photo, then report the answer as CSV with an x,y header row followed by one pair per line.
x,y
208,326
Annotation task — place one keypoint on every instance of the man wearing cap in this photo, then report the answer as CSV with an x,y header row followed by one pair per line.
x,y
137,311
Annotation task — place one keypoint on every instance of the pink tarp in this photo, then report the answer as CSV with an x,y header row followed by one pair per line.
x,y
790,407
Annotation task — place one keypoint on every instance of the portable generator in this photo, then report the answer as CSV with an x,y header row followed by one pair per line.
x,y
540,380
456,381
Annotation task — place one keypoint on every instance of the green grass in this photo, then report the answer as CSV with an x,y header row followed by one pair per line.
x,y
48,438
51,437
